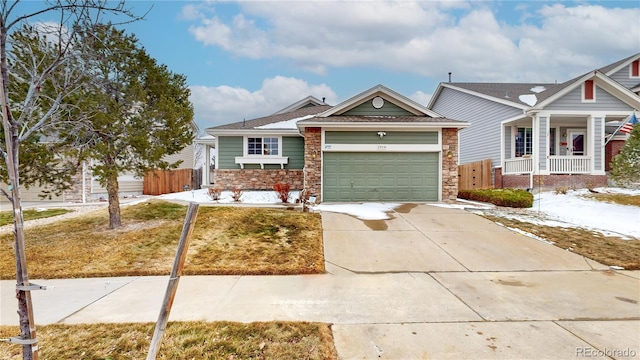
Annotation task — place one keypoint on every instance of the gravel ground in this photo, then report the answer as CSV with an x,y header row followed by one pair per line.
x,y
77,210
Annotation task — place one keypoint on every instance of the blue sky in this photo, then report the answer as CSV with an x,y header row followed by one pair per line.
x,y
251,58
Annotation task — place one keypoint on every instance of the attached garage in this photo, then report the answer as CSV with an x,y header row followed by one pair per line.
x,y
380,176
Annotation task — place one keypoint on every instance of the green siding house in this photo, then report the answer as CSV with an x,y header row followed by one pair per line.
x,y
376,146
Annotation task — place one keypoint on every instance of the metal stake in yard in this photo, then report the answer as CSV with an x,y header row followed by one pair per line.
x,y
172,286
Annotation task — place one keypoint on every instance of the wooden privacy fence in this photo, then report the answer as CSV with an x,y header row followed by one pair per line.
x,y
160,182
475,175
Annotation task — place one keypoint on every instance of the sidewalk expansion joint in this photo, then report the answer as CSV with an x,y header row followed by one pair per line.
x,y
107,293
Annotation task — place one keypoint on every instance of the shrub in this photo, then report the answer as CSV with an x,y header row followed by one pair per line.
x,y
214,194
516,198
236,194
561,190
283,191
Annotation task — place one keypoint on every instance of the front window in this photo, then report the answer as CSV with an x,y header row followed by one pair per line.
x,y
552,141
524,141
262,146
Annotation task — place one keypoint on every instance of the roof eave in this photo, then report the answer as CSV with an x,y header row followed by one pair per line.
x,y
363,125
243,132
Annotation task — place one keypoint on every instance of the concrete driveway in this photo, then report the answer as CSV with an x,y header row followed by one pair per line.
x,y
431,282
529,299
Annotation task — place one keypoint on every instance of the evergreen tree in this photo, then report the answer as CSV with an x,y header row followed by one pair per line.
x,y
25,120
143,111
625,167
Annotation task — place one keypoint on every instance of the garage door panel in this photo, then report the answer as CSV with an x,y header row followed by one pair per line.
x,y
380,176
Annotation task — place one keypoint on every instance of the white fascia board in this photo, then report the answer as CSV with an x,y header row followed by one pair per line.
x,y
298,104
515,118
622,65
600,79
382,126
487,97
249,132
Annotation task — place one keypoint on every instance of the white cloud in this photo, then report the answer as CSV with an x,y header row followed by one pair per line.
x,y
420,97
548,42
224,104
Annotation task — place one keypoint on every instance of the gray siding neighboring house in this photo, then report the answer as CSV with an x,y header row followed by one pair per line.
x,y
604,102
481,141
547,134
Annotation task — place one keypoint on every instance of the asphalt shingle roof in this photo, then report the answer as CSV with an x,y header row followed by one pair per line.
x,y
261,121
512,91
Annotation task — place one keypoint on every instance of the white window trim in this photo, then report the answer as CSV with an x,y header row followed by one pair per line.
x,y
245,145
513,142
584,99
261,159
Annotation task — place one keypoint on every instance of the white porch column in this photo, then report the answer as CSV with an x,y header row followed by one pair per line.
x,y
207,163
535,153
543,144
596,143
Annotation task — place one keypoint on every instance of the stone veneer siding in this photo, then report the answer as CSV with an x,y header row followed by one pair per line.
x,y
256,179
313,162
449,164
550,182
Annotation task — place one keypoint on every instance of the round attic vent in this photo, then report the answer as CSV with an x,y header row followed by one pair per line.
x,y
377,102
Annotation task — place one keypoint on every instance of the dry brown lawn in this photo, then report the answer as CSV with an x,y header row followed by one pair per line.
x,y
607,250
226,241
182,340
622,199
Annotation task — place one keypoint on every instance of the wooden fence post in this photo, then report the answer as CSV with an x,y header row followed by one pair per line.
x,y
172,286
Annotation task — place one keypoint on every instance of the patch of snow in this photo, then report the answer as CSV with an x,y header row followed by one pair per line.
x,y
529,99
574,209
538,89
287,124
248,197
364,211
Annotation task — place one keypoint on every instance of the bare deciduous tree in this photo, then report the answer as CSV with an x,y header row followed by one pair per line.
x,y
39,111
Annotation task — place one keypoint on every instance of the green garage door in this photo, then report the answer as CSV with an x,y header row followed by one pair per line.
x,y
382,176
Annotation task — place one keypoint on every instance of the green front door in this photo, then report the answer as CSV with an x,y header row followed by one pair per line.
x,y
380,176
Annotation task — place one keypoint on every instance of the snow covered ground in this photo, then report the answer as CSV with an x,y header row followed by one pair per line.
x,y
575,209
572,209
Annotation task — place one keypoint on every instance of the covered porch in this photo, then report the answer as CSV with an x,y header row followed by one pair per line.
x,y
557,143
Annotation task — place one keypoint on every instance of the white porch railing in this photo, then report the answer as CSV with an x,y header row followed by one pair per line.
x,y
518,166
557,165
569,164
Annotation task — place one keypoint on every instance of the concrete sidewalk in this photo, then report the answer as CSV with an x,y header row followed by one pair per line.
x,y
429,283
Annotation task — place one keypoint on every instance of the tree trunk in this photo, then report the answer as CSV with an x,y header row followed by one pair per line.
x,y
114,201
25,305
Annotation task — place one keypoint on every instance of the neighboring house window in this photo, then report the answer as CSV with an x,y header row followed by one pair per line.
x,y
552,141
588,91
635,69
262,146
524,142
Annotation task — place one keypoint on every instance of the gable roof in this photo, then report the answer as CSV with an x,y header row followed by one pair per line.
x,y
309,101
254,124
519,95
416,116
384,92
511,94
616,66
